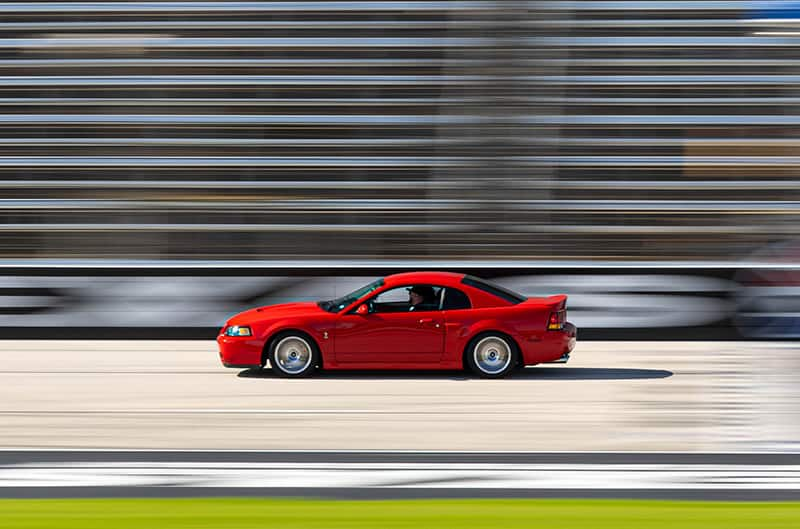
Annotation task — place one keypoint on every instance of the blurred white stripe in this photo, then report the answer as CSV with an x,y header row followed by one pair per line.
x,y
456,476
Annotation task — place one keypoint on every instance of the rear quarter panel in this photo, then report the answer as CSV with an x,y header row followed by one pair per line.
x,y
526,324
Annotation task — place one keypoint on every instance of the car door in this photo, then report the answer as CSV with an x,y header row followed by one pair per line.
x,y
391,334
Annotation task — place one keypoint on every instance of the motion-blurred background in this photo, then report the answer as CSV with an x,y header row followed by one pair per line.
x,y
262,142
165,165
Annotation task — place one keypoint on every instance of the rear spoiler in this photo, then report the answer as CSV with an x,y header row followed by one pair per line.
x,y
558,316
558,302
555,303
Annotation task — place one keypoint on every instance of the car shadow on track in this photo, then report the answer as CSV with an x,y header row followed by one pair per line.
x,y
592,373
529,373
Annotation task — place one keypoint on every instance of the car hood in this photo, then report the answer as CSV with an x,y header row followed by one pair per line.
x,y
282,310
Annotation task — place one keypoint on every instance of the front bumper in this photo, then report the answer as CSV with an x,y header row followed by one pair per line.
x,y
239,352
240,366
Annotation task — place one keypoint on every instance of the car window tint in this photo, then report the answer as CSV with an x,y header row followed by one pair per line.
x,y
398,300
431,301
455,300
395,295
495,290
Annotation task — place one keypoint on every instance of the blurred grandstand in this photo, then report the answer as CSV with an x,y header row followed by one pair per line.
x,y
626,130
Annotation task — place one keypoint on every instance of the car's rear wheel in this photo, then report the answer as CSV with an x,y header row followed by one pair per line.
x,y
293,354
492,355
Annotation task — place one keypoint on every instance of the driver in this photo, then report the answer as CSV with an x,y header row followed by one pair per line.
x,y
421,297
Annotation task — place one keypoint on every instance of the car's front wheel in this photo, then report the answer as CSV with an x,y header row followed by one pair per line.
x,y
492,355
293,354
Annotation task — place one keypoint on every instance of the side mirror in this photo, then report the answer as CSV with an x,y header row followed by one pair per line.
x,y
363,310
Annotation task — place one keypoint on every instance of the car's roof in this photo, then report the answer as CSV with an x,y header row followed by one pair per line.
x,y
432,278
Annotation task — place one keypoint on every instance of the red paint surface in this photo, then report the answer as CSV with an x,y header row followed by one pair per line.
x,y
403,340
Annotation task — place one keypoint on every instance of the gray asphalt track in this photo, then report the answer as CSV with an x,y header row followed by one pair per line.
x,y
612,396
694,420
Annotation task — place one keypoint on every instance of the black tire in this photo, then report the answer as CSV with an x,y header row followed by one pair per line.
x,y
492,355
303,347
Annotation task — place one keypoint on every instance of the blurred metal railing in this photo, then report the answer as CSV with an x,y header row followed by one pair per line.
x,y
508,130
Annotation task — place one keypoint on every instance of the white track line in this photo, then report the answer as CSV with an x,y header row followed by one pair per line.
x,y
403,475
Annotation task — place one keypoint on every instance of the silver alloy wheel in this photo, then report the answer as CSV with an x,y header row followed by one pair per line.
x,y
492,355
293,355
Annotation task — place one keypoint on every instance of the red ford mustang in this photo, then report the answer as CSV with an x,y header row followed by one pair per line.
x,y
418,320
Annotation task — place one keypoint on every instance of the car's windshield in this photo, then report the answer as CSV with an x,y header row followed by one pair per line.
x,y
335,305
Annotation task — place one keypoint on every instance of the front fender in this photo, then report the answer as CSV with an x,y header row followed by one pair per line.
x,y
318,334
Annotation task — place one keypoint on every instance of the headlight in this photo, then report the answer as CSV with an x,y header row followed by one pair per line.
x,y
238,330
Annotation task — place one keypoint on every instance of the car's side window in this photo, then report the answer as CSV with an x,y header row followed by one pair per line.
x,y
454,299
409,298
394,295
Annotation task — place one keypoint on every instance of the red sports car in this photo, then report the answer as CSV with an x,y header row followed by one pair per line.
x,y
418,320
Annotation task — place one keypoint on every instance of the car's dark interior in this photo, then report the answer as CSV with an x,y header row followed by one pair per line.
x,y
441,299
398,300
453,299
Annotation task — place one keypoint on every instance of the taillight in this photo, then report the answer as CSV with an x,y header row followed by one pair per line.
x,y
557,320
